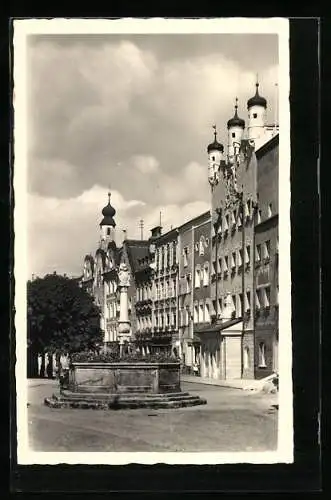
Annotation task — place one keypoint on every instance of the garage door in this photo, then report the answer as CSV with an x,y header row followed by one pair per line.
x,y
232,357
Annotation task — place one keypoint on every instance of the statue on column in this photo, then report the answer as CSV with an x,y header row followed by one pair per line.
x,y
124,326
124,275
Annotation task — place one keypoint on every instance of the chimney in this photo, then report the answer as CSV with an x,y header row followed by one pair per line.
x,y
156,232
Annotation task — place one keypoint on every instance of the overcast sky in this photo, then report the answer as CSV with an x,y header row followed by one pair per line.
x,y
133,114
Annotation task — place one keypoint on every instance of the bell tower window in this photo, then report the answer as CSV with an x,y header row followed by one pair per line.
x,y
233,134
108,231
254,115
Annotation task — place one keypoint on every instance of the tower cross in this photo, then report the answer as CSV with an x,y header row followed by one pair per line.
x,y
215,131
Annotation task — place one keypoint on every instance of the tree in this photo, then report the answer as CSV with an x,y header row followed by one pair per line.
x,y
62,317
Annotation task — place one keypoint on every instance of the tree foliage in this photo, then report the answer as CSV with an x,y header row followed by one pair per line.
x,y
62,317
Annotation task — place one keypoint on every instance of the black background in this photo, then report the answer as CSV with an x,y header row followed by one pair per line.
x,y
304,474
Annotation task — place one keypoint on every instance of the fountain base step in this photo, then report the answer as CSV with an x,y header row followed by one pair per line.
x,y
96,401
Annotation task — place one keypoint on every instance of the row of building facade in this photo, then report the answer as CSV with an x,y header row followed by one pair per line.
x,y
208,289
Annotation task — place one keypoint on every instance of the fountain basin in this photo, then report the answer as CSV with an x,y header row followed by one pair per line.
x,y
102,385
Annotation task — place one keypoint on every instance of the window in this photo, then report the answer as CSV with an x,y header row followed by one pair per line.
x,y
259,216
202,246
240,257
200,313
188,283
262,359
197,277
234,305
207,313
226,223
220,269
185,254
213,158
247,300
258,253
246,357
233,134
108,231
266,249
206,274
162,258
240,304
226,263
233,217
270,210
258,299
254,115
239,220
220,305
233,260
247,254
166,256
195,314
266,296
247,210
174,252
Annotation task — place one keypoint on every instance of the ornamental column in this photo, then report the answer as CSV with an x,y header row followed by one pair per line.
x,y
124,325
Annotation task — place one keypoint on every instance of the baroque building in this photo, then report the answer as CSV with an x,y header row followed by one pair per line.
x,y
207,290
194,284
230,346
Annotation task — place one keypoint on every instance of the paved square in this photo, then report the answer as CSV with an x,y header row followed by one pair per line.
x,y
232,420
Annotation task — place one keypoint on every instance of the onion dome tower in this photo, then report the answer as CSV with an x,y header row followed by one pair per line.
x,y
236,127
107,225
215,152
256,106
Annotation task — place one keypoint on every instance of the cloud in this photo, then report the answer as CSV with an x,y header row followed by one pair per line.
x,y
62,231
113,101
133,115
146,164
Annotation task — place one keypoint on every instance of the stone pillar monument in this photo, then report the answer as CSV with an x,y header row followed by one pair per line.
x,y
124,326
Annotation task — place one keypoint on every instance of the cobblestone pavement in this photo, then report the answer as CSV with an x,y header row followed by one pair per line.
x,y
232,420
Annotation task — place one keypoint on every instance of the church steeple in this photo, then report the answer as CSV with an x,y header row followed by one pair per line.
x,y
107,224
236,128
215,156
256,106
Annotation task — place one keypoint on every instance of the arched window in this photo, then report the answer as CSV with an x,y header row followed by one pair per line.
x,y
202,246
206,274
262,355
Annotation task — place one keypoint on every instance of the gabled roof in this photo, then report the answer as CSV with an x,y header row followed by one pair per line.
x,y
136,250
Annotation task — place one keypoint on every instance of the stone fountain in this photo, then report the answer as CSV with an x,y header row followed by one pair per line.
x,y
100,382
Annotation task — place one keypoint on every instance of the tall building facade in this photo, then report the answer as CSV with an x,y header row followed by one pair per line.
x,y
266,261
208,289
193,283
230,345
165,290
